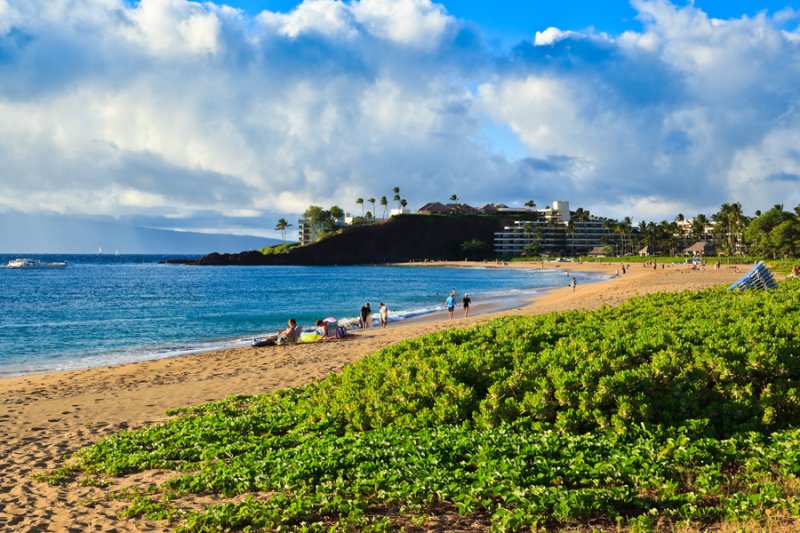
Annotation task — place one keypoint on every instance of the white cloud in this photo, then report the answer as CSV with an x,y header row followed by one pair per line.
x,y
174,26
170,108
326,17
416,23
550,36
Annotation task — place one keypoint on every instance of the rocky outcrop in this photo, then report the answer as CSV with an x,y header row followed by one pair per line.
x,y
399,239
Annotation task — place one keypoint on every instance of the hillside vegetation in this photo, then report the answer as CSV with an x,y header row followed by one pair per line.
x,y
672,408
401,238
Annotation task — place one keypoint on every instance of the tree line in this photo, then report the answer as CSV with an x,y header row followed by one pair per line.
x,y
774,233
325,221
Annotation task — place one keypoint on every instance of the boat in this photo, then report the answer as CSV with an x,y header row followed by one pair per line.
x,y
34,263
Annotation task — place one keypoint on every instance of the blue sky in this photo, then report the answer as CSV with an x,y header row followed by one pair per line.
x,y
511,20
195,116
517,17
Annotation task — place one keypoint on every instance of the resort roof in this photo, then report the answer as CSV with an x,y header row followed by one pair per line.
x,y
700,247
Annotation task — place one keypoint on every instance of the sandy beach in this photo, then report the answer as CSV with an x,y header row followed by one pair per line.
x,y
45,418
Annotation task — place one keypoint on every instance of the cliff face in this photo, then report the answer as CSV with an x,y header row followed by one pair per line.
x,y
401,238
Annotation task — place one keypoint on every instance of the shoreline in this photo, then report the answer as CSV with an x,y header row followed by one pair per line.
x,y
46,417
490,302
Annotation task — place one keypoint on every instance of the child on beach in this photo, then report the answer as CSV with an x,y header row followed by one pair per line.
x,y
573,283
465,301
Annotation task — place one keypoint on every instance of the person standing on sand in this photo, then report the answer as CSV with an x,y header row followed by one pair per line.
x,y
573,283
465,301
450,303
366,316
384,312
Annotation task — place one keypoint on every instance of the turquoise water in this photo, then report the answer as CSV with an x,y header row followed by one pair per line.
x,y
104,310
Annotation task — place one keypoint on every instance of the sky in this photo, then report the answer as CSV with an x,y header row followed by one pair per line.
x,y
223,118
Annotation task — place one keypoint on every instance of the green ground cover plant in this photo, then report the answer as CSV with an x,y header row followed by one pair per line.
x,y
672,408
279,248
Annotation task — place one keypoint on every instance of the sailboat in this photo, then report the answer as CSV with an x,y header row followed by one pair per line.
x,y
99,250
116,252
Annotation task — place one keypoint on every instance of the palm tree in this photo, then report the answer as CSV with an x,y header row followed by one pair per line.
x,y
372,201
453,197
699,226
609,225
384,203
360,201
671,232
619,229
530,203
396,197
403,203
281,226
738,222
571,233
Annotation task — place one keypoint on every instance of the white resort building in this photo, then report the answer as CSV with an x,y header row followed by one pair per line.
x,y
554,231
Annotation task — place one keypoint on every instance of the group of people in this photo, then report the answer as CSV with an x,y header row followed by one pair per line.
x,y
450,303
365,316
294,333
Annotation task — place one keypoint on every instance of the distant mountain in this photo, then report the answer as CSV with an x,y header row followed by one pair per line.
x,y
55,234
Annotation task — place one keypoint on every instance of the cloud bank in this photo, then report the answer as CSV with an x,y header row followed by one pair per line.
x,y
199,116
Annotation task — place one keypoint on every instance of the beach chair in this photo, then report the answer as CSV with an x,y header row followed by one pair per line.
x,y
759,277
330,329
294,336
275,340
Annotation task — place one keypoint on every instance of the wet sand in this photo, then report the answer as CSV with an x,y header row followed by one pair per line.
x,y
44,418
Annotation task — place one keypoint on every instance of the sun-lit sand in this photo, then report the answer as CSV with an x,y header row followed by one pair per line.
x,y
44,418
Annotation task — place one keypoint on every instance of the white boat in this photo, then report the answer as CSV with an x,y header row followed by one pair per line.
x,y
34,263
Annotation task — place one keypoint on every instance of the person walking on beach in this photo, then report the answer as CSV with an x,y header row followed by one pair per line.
x,y
450,303
366,316
573,283
465,301
384,312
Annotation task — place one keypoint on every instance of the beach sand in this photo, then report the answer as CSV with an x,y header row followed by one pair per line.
x,y
45,418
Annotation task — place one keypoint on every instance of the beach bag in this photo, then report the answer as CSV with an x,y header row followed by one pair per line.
x,y
264,342
340,332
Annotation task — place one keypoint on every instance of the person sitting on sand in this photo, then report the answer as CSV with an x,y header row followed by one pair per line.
x,y
289,332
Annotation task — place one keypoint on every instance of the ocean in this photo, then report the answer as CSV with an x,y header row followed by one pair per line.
x,y
103,309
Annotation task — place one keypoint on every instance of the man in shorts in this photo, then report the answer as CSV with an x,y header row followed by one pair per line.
x,y
450,303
